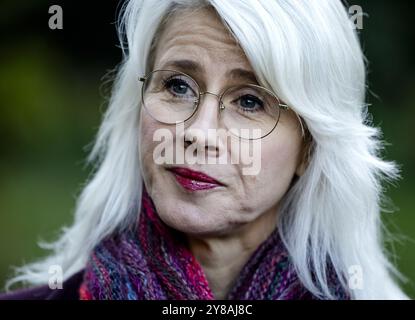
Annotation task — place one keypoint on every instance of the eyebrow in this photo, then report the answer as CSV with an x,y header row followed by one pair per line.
x,y
189,66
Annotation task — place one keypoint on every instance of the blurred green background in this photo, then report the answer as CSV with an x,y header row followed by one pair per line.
x,y
53,93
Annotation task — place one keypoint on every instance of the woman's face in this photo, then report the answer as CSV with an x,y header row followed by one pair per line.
x,y
242,198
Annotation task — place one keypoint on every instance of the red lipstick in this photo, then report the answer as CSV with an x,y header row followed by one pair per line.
x,y
194,180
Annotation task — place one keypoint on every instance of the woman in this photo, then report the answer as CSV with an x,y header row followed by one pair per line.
x,y
285,79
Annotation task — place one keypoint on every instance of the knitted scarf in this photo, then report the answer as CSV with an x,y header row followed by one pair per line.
x,y
153,262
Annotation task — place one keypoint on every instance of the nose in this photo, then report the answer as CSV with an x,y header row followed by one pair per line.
x,y
202,128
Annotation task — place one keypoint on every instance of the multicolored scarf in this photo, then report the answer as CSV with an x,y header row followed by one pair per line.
x,y
153,262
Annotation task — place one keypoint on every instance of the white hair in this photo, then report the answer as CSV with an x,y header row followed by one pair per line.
x,y
309,53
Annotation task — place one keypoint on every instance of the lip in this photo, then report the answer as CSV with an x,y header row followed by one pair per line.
x,y
194,180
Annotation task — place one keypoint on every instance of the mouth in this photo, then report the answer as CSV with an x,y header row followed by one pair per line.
x,y
194,180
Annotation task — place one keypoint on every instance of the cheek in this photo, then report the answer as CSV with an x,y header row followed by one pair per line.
x,y
280,158
147,144
146,130
278,164
280,153
280,161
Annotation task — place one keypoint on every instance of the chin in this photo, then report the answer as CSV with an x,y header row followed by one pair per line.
x,y
191,223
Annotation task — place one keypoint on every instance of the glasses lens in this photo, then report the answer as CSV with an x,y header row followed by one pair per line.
x,y
170,96
250,112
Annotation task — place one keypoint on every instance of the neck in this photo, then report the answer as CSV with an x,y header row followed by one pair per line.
x,y
223,257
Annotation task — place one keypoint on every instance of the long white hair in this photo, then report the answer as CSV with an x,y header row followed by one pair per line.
x,y
309,53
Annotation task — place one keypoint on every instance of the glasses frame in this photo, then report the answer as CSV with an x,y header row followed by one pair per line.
x,y
220,96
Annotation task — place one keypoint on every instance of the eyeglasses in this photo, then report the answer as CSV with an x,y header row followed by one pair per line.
x,y
172,97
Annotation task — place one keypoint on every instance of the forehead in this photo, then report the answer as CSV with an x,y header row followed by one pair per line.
x,y
201,37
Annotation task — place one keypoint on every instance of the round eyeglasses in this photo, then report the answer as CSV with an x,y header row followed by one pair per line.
x,y
247,111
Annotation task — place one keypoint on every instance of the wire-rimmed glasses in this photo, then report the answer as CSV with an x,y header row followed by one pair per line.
x,y
248,111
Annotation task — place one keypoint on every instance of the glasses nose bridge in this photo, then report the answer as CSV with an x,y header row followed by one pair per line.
x,y
218,96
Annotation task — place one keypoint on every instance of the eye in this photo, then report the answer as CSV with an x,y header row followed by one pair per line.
x,y
250,103
178,87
